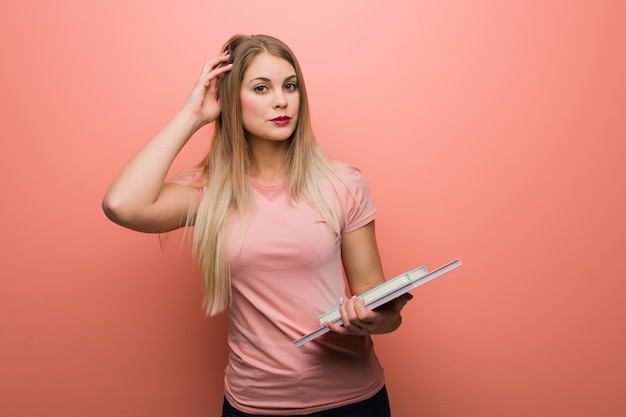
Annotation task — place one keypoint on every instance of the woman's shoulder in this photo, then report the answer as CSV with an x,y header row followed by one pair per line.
x,y
352,192
348,172
345,168
347,180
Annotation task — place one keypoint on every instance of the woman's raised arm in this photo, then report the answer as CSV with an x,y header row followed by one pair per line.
x,y
139,198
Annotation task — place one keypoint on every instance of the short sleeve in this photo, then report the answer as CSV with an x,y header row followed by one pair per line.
x,y
359,208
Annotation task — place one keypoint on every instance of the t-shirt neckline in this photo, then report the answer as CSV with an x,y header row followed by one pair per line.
x,y
268,187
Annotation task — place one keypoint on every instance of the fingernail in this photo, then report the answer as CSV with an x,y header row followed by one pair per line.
x,y
340,300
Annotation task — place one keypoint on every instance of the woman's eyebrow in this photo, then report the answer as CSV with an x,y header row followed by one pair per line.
x,y
267,80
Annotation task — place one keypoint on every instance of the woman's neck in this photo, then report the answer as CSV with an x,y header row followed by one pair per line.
x,y
268,162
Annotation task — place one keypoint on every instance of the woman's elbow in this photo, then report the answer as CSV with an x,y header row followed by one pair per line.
x,y
119,211
141,217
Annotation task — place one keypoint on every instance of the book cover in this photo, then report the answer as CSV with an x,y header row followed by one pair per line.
x,y
386,296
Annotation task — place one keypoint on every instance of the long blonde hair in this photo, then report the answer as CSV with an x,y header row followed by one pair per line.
x,y
227,165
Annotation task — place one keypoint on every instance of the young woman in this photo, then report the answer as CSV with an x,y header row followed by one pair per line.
x,y
275,221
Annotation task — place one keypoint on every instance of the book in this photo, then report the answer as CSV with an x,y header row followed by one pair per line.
x,y
382,294
378,292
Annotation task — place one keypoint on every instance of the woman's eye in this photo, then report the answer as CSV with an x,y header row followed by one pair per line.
x,y
260,88
291,86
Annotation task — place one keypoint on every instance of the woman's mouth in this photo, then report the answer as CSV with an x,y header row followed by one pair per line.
x,y
281,120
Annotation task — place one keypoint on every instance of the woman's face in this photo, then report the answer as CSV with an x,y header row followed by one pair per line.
x,y
270,99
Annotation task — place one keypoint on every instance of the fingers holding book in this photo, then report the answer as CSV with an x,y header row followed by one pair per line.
x,y
358,320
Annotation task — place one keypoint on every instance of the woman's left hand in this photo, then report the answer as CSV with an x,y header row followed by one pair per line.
x,y
358,320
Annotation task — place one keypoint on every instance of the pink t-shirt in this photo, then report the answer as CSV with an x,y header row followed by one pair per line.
x,y
288,272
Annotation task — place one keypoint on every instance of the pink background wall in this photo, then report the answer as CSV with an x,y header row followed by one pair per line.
x,y
491,131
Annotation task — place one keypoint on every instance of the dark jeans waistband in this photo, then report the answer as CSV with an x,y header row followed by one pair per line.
x,y
376,406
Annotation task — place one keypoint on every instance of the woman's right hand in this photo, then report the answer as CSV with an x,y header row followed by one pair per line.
x,y
203,102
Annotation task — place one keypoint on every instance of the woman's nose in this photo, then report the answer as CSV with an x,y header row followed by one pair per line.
x,y
280,100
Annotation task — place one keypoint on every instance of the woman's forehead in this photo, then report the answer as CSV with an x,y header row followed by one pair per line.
x,y
270,67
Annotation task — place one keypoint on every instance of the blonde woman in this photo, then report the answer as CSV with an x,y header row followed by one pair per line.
x,y
275,221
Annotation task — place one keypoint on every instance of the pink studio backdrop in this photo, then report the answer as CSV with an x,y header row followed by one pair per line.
x,y
490,131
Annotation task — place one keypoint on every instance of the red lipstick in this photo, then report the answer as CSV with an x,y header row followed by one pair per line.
x,y
281,120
